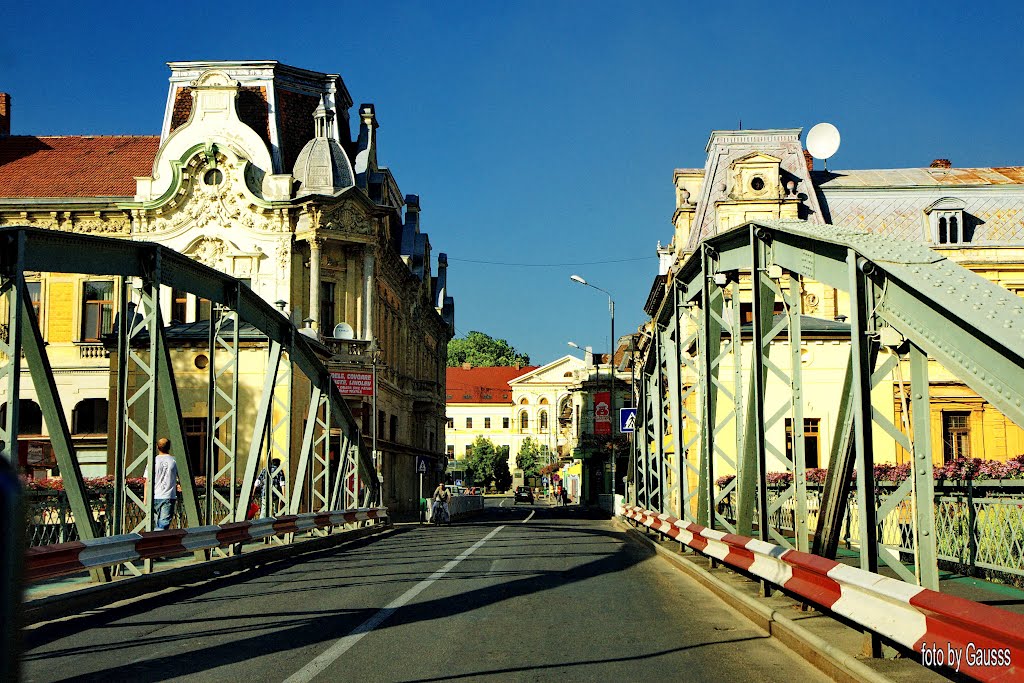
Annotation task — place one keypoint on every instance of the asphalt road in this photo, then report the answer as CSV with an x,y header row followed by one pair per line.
x,y
524,592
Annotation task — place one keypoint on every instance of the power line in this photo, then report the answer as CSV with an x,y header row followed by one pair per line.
x,y
550,265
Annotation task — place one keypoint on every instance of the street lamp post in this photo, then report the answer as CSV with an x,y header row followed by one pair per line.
x,y
611,368
374,356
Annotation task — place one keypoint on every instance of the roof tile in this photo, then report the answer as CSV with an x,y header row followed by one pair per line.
x,y
74,166
482,385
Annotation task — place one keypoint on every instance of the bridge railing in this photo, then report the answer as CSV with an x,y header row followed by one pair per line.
x,y
909,616
978,524
73,557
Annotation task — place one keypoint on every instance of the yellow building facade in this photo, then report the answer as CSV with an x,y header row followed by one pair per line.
x,y
974,216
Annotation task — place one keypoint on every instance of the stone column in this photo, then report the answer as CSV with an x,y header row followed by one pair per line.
x,y
368,293
314,281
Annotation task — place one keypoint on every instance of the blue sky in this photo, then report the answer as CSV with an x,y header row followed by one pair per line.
x,y
546,132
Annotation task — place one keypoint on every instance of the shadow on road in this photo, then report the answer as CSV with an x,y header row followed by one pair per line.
x,y
269,629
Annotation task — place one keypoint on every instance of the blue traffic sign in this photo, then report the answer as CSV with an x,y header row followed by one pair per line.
x,y
421,464
627,420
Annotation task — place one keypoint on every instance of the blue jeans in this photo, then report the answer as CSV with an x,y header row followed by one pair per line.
x,y
163,508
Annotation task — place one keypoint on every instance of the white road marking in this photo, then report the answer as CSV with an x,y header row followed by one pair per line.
x,y
502,503
532,513
331,654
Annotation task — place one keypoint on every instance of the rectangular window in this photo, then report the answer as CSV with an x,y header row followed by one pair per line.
x,y
393,430
204,309
380,424
487,423
469,450
469,423
195,437
812,453
35,291
956,435
326,307
451,423
179,306
451,451
97,309
504,423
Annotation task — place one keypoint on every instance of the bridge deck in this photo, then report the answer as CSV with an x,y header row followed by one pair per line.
x,y
553,594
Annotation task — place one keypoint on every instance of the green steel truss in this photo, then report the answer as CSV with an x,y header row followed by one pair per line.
x,y
907,304
147,396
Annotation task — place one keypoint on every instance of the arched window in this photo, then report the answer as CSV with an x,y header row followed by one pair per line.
x,y
954,232
543,401
543,420
524,420
942,231
30,417
90,417
524,401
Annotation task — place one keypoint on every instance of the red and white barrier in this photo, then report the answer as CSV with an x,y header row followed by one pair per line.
x,y
981,641
48,561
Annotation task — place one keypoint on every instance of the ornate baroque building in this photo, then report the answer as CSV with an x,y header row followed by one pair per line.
x,y
255,173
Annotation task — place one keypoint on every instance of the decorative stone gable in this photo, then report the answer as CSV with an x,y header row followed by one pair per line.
x,y
755,177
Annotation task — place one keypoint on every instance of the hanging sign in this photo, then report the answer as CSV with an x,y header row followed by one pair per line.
x,y
602,413
353,383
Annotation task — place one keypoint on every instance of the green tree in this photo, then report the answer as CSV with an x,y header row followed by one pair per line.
x,y
528,459
502,475
480,465
481,350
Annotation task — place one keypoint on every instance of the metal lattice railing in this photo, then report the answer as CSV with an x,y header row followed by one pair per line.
x,y
49,518
977,526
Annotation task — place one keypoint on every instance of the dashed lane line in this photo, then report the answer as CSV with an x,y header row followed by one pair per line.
x,y
331,654
532,513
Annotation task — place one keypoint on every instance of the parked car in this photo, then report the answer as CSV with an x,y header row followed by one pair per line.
x,y
524,494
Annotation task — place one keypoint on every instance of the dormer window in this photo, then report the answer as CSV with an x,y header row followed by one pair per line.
x,y
946,221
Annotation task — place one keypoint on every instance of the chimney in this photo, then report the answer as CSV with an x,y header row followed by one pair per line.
x,y
809,159
442,280
941,163
5,114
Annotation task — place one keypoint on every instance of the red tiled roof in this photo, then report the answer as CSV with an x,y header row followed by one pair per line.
x,y
74,166
482,385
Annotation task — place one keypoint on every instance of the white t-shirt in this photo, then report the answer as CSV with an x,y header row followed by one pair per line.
x,y
165,478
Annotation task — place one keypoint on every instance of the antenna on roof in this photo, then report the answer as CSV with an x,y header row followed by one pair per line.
x,y
823,141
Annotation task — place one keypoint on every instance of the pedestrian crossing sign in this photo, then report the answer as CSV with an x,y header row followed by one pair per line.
x,y
627,420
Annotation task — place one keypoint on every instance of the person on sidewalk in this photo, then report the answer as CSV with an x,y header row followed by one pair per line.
x,y
165,485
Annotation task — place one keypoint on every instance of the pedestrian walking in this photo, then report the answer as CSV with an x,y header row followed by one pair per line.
x,y
275,475
165,485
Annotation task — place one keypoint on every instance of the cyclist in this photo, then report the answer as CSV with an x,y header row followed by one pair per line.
x,y
439,512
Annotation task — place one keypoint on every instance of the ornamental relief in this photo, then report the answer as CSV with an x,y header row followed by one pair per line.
x,y
347,217
209,251
211,195
62,221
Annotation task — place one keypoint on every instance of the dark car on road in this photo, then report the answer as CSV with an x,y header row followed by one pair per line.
x,y
524,494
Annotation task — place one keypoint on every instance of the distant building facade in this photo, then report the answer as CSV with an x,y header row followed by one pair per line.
x,y
508,405
255,173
